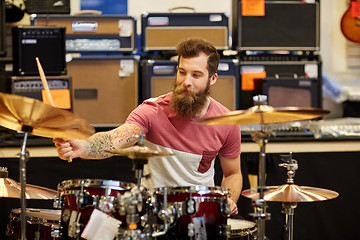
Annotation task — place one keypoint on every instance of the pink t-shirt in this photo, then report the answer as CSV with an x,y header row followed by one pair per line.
x,y
194,146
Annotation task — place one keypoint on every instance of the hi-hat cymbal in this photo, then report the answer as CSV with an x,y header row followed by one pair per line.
x,y
262,114
293,193
25,114
138,152
11,189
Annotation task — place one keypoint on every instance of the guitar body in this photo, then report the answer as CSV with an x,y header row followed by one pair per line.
x,y
350,26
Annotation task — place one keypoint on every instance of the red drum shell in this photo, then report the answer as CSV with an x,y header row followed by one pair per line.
x,y
38,223
92,190
210,203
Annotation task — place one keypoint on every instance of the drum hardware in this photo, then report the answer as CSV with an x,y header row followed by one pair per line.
x,y
166,215
290,194
263,114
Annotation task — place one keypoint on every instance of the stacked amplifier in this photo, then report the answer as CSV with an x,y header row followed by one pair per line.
x,y
161,32
47,43
99,61
278,44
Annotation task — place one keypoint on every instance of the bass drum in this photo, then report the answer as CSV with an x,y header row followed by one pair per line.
x,y
40,224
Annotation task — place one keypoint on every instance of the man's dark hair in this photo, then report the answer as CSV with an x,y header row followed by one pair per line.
x,y
192,47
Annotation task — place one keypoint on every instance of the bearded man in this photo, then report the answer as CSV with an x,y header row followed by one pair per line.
x,y
169,124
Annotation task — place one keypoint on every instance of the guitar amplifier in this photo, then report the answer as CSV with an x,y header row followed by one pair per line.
x,y
262,67
291,92
94,33
163,31
285,25
45,42
158,77
32,87
105,89
48,6
2,29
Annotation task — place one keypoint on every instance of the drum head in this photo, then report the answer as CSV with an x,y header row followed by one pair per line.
x,y
98,183
40,214
199,189
239,227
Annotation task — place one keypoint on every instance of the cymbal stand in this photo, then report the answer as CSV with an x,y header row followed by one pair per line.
x,y
261,138
24,157
289,207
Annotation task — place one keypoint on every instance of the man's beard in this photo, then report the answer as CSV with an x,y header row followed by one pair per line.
x,y
191,103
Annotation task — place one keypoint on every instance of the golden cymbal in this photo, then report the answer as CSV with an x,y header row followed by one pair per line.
x,y
262,114
25,114
138,152
292,193
11,189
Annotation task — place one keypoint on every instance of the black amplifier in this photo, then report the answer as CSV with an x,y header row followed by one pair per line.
x,y
291,91
60,89
94,33
46,43
163,31
158,77
283,25
2,29
277,67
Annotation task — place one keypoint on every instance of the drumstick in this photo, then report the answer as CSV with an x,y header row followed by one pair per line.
x,y
47,90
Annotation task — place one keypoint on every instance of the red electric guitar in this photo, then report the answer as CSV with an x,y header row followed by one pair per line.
x,y
350,22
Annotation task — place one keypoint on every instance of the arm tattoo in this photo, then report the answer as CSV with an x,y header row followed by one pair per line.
x,y
98,144
121,137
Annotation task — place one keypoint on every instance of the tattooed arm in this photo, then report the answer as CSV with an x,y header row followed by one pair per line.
x,y
94,147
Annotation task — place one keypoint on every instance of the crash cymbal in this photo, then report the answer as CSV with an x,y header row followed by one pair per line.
x,y
261,114
11,189
25,114
292,193
140,152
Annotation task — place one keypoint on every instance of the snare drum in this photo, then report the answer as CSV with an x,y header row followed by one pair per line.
x,y
199,211
79,197
39,224
241,229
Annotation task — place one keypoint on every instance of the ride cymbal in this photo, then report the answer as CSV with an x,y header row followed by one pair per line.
x,y
25,114
292,193
262,114
11,189
140,152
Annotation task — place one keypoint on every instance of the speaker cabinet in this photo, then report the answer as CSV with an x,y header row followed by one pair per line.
x,y
48,6
286,25
105,89
294,92
2,29
95,33
163,31
46,43
158,77
281,67
60,89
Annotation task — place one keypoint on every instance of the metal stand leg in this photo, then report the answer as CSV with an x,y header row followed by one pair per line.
x,y
23,158
289,210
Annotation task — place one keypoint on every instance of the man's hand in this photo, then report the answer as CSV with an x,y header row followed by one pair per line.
x,y
233,207
68,149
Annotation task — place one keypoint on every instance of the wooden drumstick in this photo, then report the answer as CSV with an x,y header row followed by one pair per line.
x,y
47,90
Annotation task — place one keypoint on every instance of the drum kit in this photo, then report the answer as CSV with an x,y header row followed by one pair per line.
x,y
87,208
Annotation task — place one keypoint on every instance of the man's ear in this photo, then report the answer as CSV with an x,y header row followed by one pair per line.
x,y
213,79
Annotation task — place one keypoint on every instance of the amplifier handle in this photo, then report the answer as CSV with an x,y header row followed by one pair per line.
x,y
87,12
182,7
